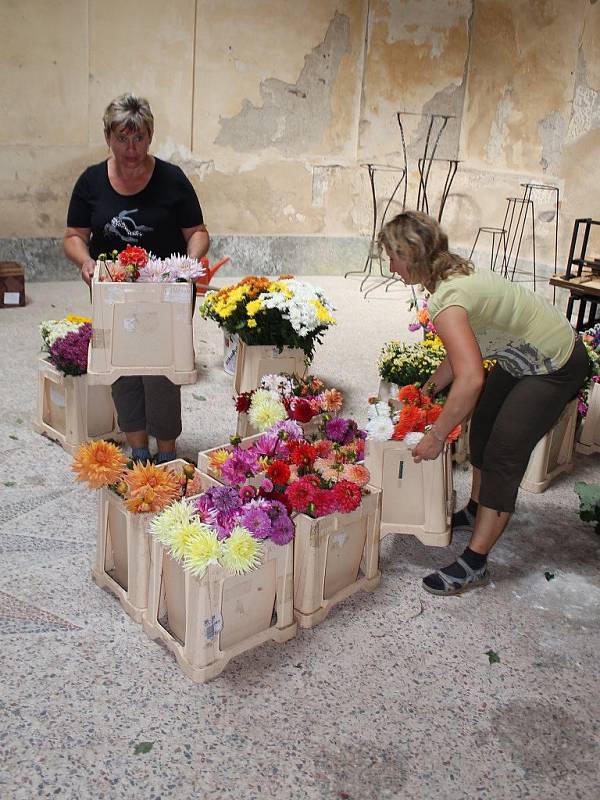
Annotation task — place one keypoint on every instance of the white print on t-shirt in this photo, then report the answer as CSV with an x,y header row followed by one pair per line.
x,y
125,228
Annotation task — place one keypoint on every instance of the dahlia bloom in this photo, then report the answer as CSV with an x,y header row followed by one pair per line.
x,y
150,488
99,463
241,552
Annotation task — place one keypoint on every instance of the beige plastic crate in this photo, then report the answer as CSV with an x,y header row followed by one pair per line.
x,y
123,550
141,329
207,621
417,499
254,361
335,557
204,455
460,448
589,435
70,411
553,454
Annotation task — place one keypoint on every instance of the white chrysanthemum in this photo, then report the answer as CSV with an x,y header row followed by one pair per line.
x,y
53,329
202,549
280,385
155,271
412,439
380,428
380,409
184,267
303,305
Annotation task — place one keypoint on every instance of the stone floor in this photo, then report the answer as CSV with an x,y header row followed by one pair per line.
x,y
392,696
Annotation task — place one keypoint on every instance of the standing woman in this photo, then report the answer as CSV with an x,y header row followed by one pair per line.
x,y
134,198
540,365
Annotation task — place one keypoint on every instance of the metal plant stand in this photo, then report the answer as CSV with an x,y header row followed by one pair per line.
x,y
373,255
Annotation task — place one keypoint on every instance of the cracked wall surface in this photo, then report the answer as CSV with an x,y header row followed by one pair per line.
x,y
273,108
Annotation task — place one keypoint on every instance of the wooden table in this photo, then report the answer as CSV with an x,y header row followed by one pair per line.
x,y
584,288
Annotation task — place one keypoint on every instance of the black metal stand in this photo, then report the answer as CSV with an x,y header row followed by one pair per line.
x,y
582,262
373,255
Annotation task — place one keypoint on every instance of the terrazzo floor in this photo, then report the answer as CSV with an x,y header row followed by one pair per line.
x,y
392,696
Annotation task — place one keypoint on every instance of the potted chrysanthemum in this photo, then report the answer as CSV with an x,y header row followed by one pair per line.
x,y
130,494
69,410
222,563
278,323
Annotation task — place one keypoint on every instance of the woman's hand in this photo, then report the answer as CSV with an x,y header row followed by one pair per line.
x,y
87,270
428,448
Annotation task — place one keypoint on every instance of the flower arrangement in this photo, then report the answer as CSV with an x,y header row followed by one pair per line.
x,y
223,525
281,396
136,265
417,413
591,340
319,477
283,313
405,364
145,488
66,342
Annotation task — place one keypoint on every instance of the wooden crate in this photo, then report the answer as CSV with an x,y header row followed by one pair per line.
x,y
553,454
70,411
417,499
123,550
204,455
588,441
12,284
141,329
334,557
254,361
207,621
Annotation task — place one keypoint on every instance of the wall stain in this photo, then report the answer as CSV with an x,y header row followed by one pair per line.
x,y
293,117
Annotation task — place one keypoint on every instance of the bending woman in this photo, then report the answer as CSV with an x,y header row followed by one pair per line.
x,y
540,365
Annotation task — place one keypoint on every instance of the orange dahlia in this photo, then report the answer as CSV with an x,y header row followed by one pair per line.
x,y
151,488
217,459
410,394
356,473
99,463
332,400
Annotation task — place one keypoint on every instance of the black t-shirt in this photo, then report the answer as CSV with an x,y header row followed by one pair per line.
x,y
152,218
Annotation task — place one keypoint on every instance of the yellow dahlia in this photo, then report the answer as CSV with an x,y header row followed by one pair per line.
x,y
99,463
241,551
217,458
164,526
157,485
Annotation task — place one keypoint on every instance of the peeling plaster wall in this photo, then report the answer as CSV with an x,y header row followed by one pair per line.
x,y
273,108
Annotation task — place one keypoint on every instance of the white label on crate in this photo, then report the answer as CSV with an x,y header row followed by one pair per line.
x,y
338,539
57,397
130,324
11,298
177,293
212,626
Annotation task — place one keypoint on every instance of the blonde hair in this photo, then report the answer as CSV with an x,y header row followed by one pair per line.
x,y
420,240
129,111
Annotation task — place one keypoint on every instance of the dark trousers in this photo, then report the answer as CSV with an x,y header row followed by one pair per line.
x,y
150,403
511,417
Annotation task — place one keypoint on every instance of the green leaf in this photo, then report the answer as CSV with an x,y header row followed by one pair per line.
x,y
589,501
18,420
9,483
12,436
198,396
143,747
493,656
549,576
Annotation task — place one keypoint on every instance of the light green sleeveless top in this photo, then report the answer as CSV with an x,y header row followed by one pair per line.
x,y
521,330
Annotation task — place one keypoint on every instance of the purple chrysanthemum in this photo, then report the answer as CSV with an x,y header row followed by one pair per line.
x,y
69,353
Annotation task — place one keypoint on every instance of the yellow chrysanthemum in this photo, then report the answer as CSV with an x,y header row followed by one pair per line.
x,y
164,525
253,307
217,458
157,486
99,463
323,314
265,410
183,536
251,323
241,551
202,549
77,320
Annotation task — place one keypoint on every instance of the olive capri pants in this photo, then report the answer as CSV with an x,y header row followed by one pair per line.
x,y
148,403
511,417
